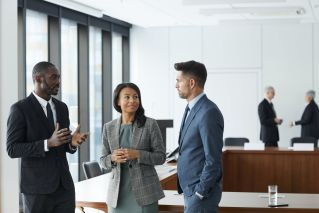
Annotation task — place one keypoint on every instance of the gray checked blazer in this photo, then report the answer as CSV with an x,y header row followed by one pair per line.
x,y
145,183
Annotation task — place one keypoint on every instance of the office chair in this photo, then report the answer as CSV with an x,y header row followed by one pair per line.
x,y
304,140
91,169
236,141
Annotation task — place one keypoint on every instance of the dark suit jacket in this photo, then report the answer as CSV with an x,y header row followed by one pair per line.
x,y
28,127
310,121
199,165
269,129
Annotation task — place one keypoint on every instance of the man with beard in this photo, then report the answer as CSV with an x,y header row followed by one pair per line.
x,y
199,165
38,133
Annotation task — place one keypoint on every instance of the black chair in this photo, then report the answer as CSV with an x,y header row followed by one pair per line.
x,y
304,140
235,141
91,169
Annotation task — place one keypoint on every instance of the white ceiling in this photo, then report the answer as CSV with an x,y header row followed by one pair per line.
x,y
155,13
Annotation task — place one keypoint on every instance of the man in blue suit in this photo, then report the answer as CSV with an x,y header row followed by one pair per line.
x,y
199,166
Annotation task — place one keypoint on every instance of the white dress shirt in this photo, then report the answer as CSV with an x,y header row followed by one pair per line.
x,y
43,104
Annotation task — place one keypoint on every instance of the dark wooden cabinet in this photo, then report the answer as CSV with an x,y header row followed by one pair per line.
x,y
253,171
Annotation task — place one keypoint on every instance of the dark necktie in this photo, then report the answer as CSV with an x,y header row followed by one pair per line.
x,y
50,116
184,117
183,122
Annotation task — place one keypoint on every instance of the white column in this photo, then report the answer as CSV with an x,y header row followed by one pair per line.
x,y
9,179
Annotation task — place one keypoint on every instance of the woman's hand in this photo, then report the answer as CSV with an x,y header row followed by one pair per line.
x,y
118,156
131,154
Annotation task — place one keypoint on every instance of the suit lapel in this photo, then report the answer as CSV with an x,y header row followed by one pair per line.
x,y
41,115
190,118
116,134
137,133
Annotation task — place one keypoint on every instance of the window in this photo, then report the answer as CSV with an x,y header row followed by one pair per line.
x,y
69,82
117,69
36,43
93,57
95,91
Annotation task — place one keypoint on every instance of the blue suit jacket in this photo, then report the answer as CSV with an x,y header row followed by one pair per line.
x,y
199,164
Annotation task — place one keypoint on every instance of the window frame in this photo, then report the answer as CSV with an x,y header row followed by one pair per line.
x,y
107,25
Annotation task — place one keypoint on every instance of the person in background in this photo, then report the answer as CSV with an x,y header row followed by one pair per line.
x,y
310,118
132,146
199,165
38,133
269,121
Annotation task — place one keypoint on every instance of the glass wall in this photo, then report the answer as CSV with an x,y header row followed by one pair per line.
x,y
92,54
36,43
95,91
69,81
117,64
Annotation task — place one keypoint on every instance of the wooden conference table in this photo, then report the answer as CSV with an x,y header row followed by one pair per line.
x,y
253,171
92,193
244,171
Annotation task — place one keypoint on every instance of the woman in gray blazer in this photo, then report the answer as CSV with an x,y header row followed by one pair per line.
x,y
132,145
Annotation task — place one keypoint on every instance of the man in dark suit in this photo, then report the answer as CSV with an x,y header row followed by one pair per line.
x,y
269,122
38,133
310,118
199,165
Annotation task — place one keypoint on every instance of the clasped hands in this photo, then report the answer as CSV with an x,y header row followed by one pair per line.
x,y
122,155
63,136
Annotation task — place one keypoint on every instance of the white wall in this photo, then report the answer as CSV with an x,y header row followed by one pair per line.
x,y
9,180
241,61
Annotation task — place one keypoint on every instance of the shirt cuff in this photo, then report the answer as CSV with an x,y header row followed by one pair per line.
x,y
73,148
199,195
46,148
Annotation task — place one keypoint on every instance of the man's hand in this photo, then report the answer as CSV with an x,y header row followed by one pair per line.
x,y
78,138
291,124
131,154
59,137
278,121
118,156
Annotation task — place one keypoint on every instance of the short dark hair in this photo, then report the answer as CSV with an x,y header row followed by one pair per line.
x,y
140,118
195,69
42,67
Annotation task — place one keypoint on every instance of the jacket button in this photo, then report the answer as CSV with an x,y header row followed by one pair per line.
x,y
130,166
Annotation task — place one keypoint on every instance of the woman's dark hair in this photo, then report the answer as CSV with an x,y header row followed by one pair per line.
x,y
140,118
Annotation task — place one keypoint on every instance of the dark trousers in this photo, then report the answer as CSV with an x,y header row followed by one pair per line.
x,y
60,201
271,143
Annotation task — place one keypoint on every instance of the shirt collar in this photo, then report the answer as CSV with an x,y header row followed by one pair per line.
x,y
42,101
192,103
269,101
